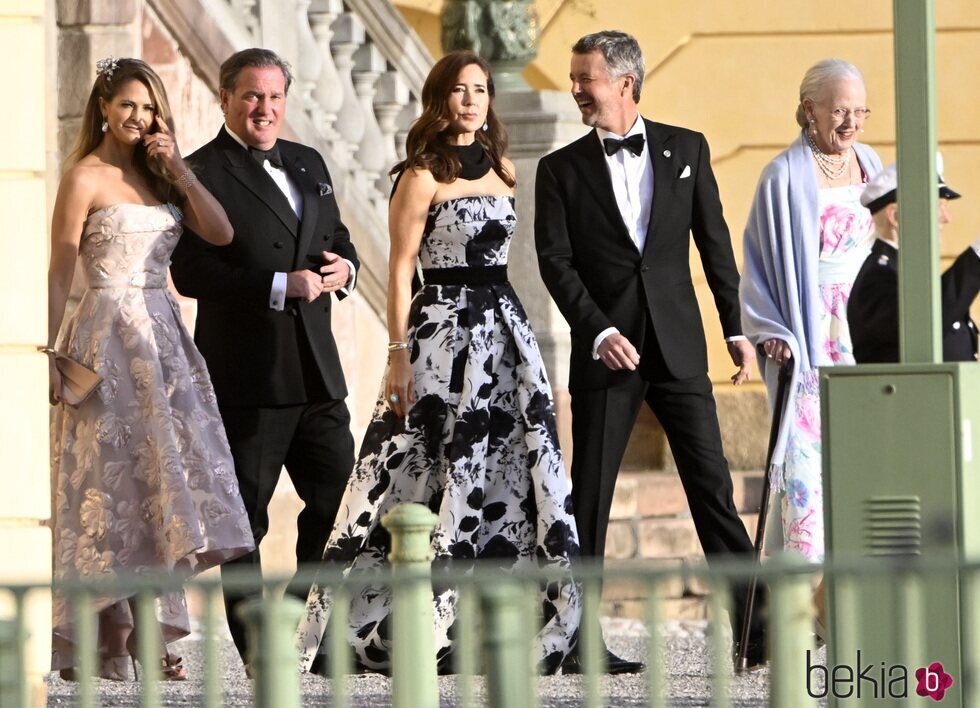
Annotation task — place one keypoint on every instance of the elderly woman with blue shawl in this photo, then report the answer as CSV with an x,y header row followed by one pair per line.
x,y
806,238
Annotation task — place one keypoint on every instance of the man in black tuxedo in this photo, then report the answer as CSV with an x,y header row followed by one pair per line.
x,y
872,309
263,321
614,212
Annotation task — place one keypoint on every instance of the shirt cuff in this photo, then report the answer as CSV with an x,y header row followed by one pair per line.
x,y
598,340
277,298
736,338
346,290
976,246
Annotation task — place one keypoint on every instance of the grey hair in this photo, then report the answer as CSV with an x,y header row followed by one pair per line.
x,y
621,52
818,77
255,56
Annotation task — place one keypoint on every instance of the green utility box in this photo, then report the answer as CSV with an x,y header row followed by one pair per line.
x,y
901,481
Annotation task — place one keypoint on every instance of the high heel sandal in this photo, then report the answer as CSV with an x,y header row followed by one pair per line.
x,y
170,664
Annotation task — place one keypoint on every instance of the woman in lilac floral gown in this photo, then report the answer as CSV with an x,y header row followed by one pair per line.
x,y
465,422
806,238
141,474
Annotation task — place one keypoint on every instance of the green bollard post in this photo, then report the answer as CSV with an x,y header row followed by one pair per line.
x,y
507,651
790,636
413,662
273,658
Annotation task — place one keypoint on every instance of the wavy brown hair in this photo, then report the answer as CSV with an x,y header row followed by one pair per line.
x,y
427,147
90,134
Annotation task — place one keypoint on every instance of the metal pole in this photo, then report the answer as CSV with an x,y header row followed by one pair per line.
x,y
719,644
507,650
790,632
212,658
413,665
274,658
12,677
149,642
915,115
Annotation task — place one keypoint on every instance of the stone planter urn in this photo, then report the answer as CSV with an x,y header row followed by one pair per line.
x,y
504,32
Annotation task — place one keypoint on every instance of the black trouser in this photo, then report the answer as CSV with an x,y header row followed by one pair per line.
x,y
602,421
314,443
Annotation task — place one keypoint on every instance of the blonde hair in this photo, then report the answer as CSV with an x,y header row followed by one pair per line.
x,y
90,133
818,77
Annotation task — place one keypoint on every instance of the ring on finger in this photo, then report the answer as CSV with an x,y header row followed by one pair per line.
x,y
393,398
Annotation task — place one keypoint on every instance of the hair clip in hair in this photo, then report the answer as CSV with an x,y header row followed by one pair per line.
x,y
105,67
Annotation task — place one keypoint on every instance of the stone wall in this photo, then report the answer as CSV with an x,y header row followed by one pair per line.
x,y
30,129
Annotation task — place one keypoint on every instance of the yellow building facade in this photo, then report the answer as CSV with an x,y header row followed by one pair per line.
x,y
732,70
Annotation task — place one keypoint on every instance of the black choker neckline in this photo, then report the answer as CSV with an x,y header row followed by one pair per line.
x,y
474,160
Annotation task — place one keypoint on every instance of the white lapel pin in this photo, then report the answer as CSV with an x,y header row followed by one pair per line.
x,y
666,153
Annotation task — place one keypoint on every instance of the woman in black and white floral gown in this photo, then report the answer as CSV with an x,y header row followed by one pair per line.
x,y
465,422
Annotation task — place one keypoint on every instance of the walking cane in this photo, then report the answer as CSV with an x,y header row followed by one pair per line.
x,y
782,387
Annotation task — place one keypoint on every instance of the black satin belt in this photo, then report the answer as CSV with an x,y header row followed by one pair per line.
x,y
480,275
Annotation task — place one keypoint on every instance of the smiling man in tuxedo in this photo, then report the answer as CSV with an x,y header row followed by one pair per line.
x,y
614,214
264,303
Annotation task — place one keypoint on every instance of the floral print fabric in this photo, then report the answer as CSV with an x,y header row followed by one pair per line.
x,y
142,476
845,241
479,448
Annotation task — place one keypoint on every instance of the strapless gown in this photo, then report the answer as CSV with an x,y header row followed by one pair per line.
x,y
479,447
142,477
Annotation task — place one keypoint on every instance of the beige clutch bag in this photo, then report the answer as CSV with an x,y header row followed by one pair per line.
x,y
78,382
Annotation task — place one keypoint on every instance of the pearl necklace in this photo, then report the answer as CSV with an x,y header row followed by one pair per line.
x,y
833,167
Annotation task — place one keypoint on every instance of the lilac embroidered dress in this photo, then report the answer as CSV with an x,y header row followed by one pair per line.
x,y
141,473
845,240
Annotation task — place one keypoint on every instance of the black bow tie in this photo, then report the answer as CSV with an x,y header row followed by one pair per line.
x,y
272,155
633,143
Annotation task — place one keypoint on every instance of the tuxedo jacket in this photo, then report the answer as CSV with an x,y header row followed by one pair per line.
x,y
258,356
872,309
599,278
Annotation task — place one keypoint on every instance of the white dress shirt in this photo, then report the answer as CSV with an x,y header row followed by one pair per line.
x,y
277,297
632,182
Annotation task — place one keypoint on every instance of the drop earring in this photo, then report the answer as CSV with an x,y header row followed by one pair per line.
x,y
485,126
105,126
813,128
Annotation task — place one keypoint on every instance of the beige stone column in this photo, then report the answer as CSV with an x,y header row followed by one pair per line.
x,y
87,32
25,541
539,122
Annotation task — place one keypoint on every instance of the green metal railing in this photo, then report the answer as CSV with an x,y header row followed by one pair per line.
x,y
498,614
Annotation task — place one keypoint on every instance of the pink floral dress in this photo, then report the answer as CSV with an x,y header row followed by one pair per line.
x,y
845,240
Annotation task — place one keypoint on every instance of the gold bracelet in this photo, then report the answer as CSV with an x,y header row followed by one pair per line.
x,y
186,180
397,346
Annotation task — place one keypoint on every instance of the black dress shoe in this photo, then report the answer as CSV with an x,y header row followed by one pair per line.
x,y
613,665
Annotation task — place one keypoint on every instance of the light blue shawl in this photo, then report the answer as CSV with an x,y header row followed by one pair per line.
x,y
778,291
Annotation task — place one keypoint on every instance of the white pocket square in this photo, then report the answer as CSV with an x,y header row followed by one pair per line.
x,y
324,188
686,172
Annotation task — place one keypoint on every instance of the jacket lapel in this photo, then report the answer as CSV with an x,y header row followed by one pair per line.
x,y
297,171
595,173
658,142
246,170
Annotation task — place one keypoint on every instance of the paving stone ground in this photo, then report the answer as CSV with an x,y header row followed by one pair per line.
x,y
687,668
